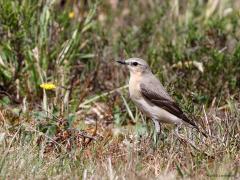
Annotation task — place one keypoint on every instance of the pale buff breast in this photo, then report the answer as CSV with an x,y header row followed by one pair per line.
x,y
134,87
135,93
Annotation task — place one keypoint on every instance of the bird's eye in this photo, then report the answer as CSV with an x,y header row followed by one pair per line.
x,y
134,63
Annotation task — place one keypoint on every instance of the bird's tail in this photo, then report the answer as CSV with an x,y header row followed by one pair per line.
x,y
193,124
203,133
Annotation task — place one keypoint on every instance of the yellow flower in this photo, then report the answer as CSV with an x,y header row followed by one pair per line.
x,y
71,14
48,86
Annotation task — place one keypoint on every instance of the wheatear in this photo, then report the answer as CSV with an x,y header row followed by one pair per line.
x,y
151,98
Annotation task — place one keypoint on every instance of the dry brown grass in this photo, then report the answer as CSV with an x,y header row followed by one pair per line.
x,y
87,127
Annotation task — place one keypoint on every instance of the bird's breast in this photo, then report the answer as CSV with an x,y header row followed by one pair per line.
x,y
134,89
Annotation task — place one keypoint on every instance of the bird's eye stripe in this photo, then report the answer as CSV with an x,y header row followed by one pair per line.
x,y
134,63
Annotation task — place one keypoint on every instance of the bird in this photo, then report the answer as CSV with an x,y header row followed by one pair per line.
x,y
150,96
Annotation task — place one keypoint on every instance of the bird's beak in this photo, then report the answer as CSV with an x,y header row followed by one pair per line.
x,y
121,62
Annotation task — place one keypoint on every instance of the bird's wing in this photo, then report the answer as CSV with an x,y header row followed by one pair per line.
x,y
165,103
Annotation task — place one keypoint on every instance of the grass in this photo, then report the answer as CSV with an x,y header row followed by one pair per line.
x,y
87,127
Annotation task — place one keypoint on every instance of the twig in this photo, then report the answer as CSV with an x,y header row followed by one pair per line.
x,y
100,96
2,118
181,138
10,96
128,109
83,134
8,149
46,136
57,118
206,119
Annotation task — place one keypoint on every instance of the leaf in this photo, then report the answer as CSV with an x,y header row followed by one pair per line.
x,y
1,61
199,66
5,100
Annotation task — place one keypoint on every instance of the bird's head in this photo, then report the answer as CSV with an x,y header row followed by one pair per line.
x,y
136,65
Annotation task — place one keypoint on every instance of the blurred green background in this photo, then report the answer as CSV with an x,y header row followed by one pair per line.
x,y
191,45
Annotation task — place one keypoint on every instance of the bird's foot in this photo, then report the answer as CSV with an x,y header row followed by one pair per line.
x,y
156,139
156,133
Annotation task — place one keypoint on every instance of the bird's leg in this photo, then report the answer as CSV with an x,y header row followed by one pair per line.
x,y
157,132
157,126
176,130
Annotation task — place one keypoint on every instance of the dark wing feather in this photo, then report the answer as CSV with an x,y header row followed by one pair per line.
x,y
165,103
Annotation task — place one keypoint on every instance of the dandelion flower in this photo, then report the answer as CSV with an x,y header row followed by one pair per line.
x,y
71,14
48,86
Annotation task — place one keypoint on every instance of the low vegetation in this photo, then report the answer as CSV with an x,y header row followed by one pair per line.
x,y
65,111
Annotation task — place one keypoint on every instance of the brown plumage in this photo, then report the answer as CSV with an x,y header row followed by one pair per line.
x,y
150,96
